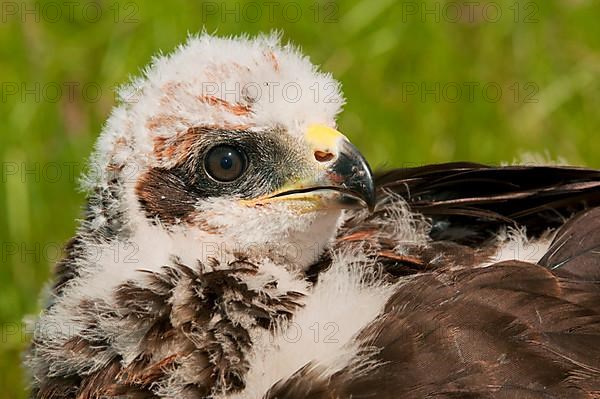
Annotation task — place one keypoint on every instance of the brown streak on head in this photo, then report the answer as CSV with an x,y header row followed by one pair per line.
x,y
177,148
165,121
170,90
271,57
236,108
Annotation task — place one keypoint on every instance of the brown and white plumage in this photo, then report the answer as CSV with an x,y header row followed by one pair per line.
x,y
190,278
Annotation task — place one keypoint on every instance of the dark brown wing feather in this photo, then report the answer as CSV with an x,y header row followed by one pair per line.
x,y
497,332
510,330
467,202
575,252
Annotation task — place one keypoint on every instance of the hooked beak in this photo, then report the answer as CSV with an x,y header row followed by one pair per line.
x,y
343,178
354,174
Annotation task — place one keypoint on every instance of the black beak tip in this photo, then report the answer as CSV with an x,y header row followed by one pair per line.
x,y
370,197
371,202
357,176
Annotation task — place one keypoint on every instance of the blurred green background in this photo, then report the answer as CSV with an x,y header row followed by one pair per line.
x,y
426,81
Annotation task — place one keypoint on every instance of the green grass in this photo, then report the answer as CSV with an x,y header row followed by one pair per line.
x,y
378,49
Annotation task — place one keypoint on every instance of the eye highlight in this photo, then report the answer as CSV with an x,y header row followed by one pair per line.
x,y
225,163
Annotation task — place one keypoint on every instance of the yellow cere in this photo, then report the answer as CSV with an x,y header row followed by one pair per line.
x,y
323,138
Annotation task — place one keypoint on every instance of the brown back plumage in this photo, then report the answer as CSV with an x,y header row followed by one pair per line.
x,y
509,330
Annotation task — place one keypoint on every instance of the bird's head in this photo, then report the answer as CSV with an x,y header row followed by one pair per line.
x,y
229,145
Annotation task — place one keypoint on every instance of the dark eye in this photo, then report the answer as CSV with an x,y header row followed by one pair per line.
x,y
225,163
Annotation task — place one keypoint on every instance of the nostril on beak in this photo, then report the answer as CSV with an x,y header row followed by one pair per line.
x,y
323,156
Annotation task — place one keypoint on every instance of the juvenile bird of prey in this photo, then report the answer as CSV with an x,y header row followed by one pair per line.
x,y
236,245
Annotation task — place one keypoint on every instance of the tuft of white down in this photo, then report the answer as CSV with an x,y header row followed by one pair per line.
x,y
347,298
514,244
